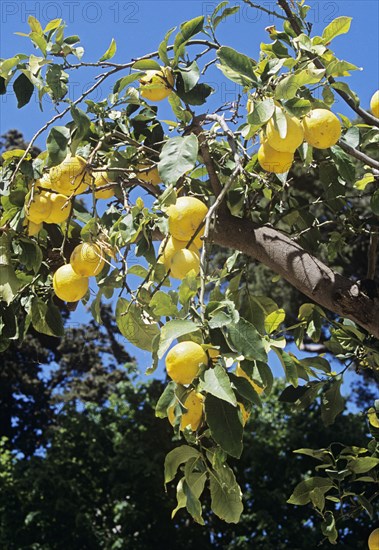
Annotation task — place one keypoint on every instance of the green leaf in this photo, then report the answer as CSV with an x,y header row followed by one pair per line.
x,y
173,330
187,31
34,25
245,389
162,50
190,76
177,157
301,494
139,330
226,496
165,400
274,320
23,89
9,284
298,107
288,87
52,25
193,504
340,25
57,144
162,305
262,112
224,424
332,402
110,51
82,122
245,339
197,95
57,79
328,527
175,458
226,13
363,464
123,82
216,382
239,64
147,65
289,366
343,87
46,318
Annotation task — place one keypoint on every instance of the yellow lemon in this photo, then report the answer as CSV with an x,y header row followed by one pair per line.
x,y
322,129
60,208
374,104
183,361
373,540
100,179
293,139
40,208
249,106
244,413
87,259
168,250
243,374
157,85
69,286
183,262
69,177
194,405
44,182
213,355
185,216
274,161
148,173
33,228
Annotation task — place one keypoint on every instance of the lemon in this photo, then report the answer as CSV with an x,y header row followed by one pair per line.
x,y
213,355
100,179
69,286
183,361
87,260
44,182
40,208
157,85
184,218
60,208
243,374
183,262
33,228
293,139
69,177
249,106
374,104
168,250
244,413
373,540
193,417
274,161
322,129
149,174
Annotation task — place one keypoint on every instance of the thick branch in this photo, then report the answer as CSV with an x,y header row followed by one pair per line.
x,y
302,270
358,155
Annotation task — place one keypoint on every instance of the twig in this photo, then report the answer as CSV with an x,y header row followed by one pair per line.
x,y
372,255
261,8
358,154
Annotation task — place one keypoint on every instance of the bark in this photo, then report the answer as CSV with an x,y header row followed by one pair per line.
x,y
302,270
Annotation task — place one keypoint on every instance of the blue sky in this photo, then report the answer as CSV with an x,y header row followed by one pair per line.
x,y
139,26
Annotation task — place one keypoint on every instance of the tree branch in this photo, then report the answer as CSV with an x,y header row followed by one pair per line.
x,y
302,270
358,155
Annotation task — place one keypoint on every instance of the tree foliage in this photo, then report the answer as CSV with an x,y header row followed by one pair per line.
x,y
299,233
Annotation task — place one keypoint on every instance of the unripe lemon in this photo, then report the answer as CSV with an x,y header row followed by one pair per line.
x,y
100,179
322,129
185,216
69,286
183,262
33,228
69,177
373,540
293,139
243,374
157,85
374,104
183,361
87,260
148,173
274,161
60,208
171,247
40,208
245,414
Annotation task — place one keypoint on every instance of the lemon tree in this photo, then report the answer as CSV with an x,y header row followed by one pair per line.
x,y
118,180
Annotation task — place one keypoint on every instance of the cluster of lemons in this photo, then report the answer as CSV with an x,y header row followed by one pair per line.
x,y
51,195
184,219
183,364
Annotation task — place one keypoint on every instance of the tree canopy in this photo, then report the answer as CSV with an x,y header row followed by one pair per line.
x,y
208,187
